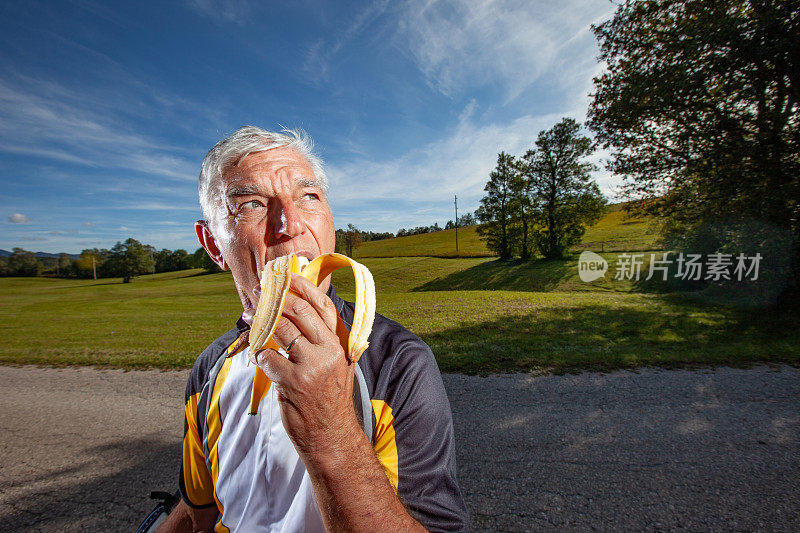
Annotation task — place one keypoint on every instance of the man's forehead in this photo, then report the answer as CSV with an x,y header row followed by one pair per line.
x,y
283,163
274,158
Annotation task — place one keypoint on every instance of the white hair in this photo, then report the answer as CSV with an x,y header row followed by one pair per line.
x,y
241,143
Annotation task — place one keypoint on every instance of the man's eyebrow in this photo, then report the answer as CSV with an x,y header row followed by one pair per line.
x,y
309,183
245,190
251,190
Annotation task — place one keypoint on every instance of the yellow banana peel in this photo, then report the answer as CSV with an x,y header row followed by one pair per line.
x,y
276,279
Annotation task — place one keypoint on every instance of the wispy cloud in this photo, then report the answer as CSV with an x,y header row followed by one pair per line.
x,y
510,43
18,218
162,206
47,120
321,52
235,11
429,176
418,187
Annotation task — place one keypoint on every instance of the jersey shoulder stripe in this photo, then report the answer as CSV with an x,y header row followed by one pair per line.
x,y
206,361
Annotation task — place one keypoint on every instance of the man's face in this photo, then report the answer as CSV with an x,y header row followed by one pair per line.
x,y
273,206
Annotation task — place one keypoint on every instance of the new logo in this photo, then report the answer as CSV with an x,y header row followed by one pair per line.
x,y
591,266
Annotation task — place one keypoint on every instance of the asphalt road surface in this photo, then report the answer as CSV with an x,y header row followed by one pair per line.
x,y
654,450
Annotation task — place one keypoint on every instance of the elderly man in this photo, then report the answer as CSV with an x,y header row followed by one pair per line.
x,y
321,453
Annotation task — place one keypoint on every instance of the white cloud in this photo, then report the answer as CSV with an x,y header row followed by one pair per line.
x,y
418,187
18,218
88,224
431,175
512,43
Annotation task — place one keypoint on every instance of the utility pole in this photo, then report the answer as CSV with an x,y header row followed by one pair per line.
x,y
94,270
456,203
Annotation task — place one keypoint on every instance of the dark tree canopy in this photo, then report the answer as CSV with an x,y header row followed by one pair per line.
x,y
495,210
558,187
129,259
700,105
23,263
348,239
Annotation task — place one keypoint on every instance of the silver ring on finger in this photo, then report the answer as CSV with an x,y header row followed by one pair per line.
x,y
291,344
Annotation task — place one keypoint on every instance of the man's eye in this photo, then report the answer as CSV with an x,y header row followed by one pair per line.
x,y
311,196
252,204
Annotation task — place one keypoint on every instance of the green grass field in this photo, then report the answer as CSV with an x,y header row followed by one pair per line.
x,y
535,316
613,233
478,314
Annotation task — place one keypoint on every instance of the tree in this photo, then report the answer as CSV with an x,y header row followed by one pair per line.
x,y
522,208
23,263
129,259
200,259
495,210
563,197
700,105
467,219
169,261
351,239
91,260
64,264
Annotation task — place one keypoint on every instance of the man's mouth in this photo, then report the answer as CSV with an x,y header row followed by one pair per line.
x,y
300,253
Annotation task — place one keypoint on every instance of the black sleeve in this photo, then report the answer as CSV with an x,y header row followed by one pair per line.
x,y
427,475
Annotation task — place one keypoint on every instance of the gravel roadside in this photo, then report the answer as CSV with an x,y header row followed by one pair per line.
x,y
649,450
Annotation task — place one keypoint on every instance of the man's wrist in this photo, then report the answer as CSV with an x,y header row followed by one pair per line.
x,y
335,452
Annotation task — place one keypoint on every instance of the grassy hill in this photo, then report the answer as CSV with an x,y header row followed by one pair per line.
x,y
479,315
612,233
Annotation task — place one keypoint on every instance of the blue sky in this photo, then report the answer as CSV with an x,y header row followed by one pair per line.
x,y
106,111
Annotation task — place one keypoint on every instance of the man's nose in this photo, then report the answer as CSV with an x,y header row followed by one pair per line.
x,y
285,220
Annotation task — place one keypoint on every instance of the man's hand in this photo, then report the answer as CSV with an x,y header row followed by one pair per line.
x,y
315,391
184,519
315,384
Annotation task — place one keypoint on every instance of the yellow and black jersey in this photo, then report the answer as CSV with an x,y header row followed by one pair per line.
x,y
248,467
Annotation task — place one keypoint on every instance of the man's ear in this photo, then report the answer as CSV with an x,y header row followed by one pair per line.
x,y
208,242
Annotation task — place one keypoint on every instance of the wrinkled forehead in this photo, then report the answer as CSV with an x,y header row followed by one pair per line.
x,y
277,166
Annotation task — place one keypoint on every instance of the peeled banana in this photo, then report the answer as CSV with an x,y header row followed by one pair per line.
x,y
275,281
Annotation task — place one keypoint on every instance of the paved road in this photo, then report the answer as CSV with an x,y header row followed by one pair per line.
x,y
707,450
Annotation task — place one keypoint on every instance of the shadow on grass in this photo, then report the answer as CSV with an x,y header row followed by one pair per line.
x,y
116,281
511,275
669,333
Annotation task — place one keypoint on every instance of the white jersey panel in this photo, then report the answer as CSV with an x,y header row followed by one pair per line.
x,y
262,485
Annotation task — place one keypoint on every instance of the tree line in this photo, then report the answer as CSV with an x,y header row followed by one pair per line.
x,y
467,219
124,260
542,201
347,239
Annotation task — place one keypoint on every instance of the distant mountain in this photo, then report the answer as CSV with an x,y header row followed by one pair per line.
x,y
42,255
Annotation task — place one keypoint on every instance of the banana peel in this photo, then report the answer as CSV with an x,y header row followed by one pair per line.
x,y
276,279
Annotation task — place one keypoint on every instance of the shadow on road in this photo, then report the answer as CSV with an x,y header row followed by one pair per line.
x,y
107,489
